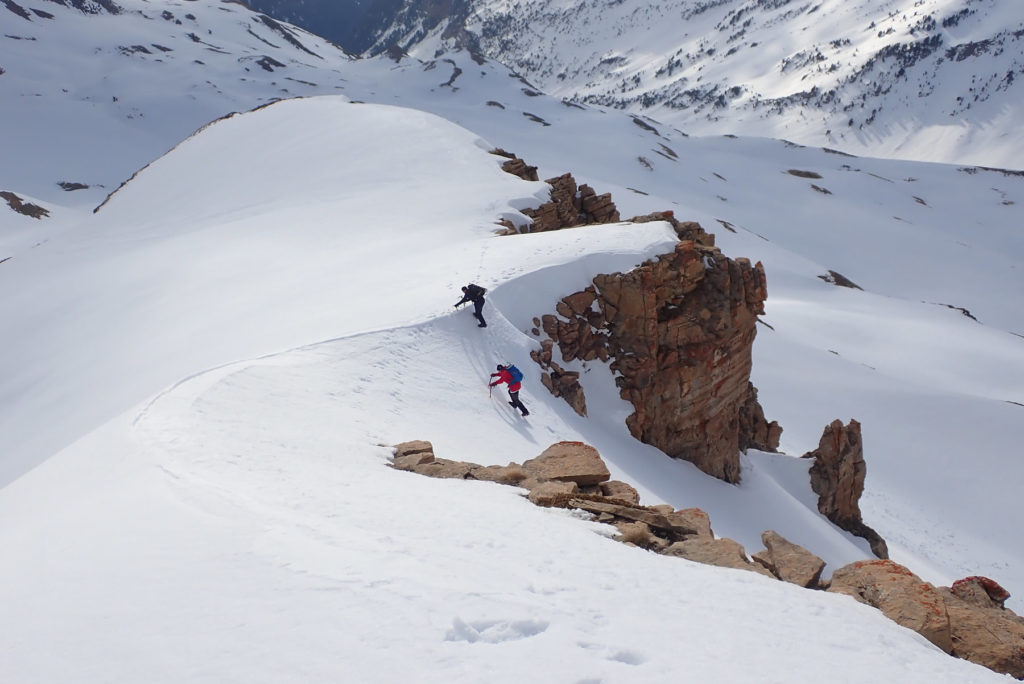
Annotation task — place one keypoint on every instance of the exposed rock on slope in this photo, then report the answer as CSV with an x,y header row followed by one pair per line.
x,y
679,332
570,204
964,620
20,206
837,477
898,593
788,561
982,630
573,475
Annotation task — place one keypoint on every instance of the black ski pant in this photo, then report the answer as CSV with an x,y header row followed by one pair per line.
x,y
478,307
514,396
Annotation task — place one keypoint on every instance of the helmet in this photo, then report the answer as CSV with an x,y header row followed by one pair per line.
x,y
500,367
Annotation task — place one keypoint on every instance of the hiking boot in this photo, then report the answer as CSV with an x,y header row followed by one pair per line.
x,y
482,325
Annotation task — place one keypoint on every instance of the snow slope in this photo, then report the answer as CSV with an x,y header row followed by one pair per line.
x,y
204,369
243,524
935,80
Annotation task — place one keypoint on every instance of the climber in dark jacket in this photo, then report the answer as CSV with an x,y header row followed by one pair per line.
x,y
474,293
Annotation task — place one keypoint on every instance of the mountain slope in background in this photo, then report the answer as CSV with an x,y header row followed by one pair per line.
x,y
203,368
345,23
95,93
935,80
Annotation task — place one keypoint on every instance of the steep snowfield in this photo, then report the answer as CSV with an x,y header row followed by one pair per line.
x,y
243,522
220,351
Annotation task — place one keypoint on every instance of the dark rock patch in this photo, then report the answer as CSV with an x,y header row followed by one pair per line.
x,y
23,207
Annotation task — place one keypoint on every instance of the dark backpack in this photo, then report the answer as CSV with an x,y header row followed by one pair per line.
x,y
475,291
517,375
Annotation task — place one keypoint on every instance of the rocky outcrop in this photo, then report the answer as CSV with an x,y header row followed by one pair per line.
x,y
22,207
982,630
568,462
788,561
613,489
570,205
967,620
670,525
678,331
559,381
724,553
837,477
418,457
980,591
755,431
573,475
900,594
516,166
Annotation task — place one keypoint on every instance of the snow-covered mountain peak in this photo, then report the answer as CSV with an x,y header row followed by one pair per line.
x,y
931,79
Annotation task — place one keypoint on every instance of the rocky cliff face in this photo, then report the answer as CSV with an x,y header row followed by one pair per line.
x,y
679,332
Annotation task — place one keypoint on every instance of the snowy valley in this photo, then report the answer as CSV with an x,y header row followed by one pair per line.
x,y
220,323
935,80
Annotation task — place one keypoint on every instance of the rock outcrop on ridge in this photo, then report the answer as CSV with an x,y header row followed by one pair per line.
x,y
573,475
678,331
570,205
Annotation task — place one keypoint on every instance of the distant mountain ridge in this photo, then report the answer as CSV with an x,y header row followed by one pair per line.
x,y
142,74
937,80
340,22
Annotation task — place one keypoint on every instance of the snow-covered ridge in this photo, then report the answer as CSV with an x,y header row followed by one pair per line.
x,y
135,78
934,79
205,368
242,518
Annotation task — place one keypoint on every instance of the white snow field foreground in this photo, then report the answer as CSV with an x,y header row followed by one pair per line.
x,y
268,306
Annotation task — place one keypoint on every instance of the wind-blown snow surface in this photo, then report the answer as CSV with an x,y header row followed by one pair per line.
x,y
315,221
243,524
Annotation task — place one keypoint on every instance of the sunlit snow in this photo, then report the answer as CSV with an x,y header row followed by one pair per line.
x,y
202,379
